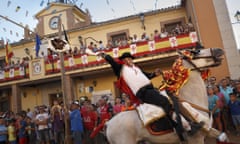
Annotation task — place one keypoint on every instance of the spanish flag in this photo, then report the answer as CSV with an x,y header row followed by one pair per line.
x,y
9,53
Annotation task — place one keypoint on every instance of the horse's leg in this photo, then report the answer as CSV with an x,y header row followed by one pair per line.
x,y
198,138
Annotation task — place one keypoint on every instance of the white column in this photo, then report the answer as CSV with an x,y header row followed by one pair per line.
x,y
229,43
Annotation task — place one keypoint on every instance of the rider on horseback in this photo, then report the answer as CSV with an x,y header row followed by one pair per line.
x,y
136,83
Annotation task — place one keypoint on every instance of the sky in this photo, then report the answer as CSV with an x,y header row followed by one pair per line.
x,y
23,11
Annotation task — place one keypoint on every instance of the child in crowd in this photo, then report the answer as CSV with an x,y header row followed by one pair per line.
x,y
22,129
234,106
213,105
30,129
128,105
3,131
12,132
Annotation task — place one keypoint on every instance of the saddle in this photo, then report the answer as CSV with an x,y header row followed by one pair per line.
x,y
154,119
160,127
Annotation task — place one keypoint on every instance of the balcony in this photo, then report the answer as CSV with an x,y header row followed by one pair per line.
x,y
41,69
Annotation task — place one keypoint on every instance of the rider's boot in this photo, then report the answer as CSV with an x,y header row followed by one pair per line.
x,y
195,127
190,127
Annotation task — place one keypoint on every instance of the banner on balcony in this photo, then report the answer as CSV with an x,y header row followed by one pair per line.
x,y
193,37
2,74
11,73
58,64
133,49
21,71
173,41
71,61
98,58
84,59
115,52
151,45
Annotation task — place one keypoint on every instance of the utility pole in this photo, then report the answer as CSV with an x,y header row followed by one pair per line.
x,y
68,139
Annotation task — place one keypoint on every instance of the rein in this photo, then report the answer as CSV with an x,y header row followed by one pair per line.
x,y
195,106
189,56
175,78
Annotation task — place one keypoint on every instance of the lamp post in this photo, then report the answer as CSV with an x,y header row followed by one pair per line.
x,y
237,16
141,16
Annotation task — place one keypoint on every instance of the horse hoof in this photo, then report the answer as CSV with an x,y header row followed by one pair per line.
x,y
223,137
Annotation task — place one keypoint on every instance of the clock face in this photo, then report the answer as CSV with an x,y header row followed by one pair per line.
x,y
36,68
53,23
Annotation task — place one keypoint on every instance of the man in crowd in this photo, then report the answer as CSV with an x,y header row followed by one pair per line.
x,y
42,123
76,123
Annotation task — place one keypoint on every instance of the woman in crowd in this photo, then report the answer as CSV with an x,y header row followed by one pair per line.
x,y
117,107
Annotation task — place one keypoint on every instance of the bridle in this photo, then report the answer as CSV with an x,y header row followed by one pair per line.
x,y
175,78
194,56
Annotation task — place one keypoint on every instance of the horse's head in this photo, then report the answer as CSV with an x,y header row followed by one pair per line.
x,y
201,59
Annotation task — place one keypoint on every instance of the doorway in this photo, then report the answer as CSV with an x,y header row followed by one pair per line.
x,y
55,96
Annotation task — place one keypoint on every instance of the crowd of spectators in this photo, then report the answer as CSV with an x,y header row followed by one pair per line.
x,y
124,41
95,46
224,103
23,62
100,46
46,124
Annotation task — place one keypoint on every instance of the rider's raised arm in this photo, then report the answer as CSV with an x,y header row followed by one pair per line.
x,y
115,66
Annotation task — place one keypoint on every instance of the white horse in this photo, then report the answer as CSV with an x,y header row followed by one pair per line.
x,y
127,128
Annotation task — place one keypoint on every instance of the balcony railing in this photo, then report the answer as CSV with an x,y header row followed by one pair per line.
x,y
139,49
14,73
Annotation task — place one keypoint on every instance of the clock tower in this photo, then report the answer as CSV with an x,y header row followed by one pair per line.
x,y
71,17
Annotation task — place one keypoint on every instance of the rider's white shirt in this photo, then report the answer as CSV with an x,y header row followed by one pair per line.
x,y
134,78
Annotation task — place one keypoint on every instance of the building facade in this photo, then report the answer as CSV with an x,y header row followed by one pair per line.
x,y
37,81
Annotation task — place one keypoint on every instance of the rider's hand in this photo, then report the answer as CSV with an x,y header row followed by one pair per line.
x,y
102,54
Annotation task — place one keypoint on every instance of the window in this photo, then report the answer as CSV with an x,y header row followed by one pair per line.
x,y
118,36
2,62
170,26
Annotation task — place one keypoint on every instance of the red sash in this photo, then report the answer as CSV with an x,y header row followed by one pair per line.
x,y
121,84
